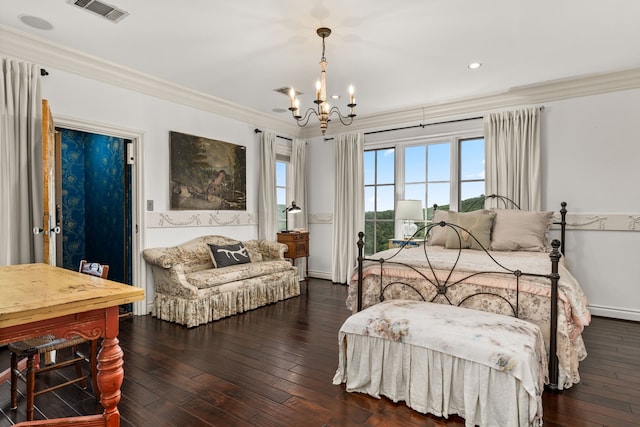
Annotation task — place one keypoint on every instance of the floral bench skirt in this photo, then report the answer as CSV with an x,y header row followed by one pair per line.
x,y
439,359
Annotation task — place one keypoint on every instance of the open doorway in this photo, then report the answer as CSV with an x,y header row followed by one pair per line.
x,y
95,202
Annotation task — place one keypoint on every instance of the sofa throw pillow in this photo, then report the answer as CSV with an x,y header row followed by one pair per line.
x,y
437,234
226,255
476,223
516,230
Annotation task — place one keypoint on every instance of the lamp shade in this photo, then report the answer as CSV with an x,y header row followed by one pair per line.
x,y
410,210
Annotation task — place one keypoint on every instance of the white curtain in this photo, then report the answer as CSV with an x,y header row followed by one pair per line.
x,y
20,163
512,152
299,192
267,201
348,205
299,183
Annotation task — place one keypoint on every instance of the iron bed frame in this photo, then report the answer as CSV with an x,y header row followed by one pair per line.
x,y
441,287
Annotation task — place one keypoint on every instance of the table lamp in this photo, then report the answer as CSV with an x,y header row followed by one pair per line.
x,y
289,209
409,211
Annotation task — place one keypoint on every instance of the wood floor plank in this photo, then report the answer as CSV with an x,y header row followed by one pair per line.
x,y
274,367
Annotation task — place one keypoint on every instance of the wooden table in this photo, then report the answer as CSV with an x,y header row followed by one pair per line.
x,y
298,247
38,299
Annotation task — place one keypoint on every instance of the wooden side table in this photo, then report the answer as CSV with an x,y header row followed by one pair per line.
x,y
298,247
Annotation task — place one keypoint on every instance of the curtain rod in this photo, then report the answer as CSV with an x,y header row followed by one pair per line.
x,y
43,72
256,130
421,125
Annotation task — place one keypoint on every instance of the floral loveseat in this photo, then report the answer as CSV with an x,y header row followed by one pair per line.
x,y
191,290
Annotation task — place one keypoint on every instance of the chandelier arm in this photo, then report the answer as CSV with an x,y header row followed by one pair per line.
x,y
303,121
342,117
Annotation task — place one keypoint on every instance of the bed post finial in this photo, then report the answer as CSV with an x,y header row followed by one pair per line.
x,y
360,260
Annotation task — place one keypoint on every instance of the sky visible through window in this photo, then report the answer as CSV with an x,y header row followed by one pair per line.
x,y
436,172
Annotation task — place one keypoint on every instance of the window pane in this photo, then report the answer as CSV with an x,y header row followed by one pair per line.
x,y
385,200
369,201
415,164
384,232
386,166
369,238
472,159
369,167
281,197
438,167
281,174
415,192
439,194
471,190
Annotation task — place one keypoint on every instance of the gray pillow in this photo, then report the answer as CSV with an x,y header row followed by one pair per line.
x,y
516,230
226,255
477,223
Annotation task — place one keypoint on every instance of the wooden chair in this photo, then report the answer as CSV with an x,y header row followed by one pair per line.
x,y
32,348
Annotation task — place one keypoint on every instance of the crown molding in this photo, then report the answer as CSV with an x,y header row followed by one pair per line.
x,y
47,54
24,46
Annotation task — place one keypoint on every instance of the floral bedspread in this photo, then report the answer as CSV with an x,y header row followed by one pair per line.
x,y
452,287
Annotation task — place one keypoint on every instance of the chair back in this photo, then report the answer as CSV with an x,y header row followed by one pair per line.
x,y
94,269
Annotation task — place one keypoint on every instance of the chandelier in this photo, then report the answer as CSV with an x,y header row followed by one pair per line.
x,y
323,111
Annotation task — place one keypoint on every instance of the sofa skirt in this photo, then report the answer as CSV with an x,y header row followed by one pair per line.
x,y
226,300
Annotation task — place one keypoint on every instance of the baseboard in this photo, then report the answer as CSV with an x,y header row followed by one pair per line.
x,y
615,313
320,275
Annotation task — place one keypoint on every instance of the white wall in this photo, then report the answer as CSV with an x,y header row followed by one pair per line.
x,y
71,96
590,155
591,147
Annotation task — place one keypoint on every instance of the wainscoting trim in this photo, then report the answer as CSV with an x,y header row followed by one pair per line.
x,y
601,221
177,219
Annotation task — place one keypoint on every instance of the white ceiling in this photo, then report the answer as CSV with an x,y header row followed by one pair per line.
x,y
398,55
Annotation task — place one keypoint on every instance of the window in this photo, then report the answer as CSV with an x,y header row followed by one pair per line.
x,y
428,175
445,168
471,173
432,177
379,195
281,192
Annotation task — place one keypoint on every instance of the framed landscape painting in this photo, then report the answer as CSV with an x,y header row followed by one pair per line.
x,y
206,173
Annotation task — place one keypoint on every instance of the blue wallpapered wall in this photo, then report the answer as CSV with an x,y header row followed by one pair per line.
x,y
93,201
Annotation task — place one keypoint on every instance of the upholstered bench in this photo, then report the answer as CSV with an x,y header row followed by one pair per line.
x,y
487,368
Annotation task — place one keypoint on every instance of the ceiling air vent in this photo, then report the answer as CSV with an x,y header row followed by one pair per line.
x,y
285,91
105,10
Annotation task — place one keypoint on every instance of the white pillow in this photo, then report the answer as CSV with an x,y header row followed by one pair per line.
x,y
516,230
437,234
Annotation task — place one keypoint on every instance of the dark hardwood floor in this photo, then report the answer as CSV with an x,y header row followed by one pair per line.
x,y
273,367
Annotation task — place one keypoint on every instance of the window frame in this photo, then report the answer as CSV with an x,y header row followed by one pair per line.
x,y
283,154
375,221
453,133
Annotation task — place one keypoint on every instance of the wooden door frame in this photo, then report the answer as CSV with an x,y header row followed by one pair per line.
x,y
138,228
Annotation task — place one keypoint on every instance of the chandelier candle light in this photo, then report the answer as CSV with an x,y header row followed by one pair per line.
x,y
323,110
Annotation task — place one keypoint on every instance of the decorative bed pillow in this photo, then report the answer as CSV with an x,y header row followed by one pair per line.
x,y
437,234
226,255
516,230
477,223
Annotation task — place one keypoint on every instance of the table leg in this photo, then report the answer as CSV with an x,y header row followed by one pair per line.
x,y
110,371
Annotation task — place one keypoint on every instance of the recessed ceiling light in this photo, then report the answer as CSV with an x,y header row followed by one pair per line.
x,y
35,22
474,65
335,96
